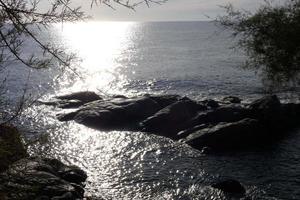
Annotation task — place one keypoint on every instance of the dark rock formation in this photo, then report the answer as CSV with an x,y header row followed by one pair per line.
x,y
230,186
231,99
201,124
73,100
27,178
221,114
11,146
226,135
41,178
164,100
211,103
84,97
116,114
267,108
170,119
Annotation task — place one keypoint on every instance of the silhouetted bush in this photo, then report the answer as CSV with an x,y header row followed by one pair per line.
x,y
270,37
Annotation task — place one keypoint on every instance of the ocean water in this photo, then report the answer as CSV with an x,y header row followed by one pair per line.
x,y
192,59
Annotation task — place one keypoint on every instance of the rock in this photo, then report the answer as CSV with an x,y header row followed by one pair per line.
x,y
63,103
267,108
290,113
188,131
170,120
42,178
211,103
116,114
232,99
221,114
11,146
227,135
164,100
204,123
119,96
230,186
84,97
74,175
70,104
66,116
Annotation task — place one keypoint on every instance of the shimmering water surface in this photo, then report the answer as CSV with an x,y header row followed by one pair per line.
x,y
186,58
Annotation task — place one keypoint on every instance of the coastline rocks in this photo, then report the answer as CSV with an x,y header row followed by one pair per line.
x,y
116,114
221,114
267,108
226,135
164,100
170,119
231,99
42,178
11,146
85,96
73,100
211,103
230,186
208,123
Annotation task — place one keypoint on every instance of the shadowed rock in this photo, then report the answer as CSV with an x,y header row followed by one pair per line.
x,y
226,135
116,114
11,146
164,100
84,97
267,108
73,100
211,103
41,178
200,124
170,120
188,131
221,114
231,99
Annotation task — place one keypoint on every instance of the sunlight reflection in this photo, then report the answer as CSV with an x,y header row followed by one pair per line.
x,y
98,45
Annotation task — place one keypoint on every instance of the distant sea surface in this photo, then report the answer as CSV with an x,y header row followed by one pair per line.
x,y
192,59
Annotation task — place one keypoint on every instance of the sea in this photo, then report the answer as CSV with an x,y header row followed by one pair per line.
x,y
195,59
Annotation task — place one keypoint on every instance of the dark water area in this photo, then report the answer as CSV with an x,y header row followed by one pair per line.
x,y
187,58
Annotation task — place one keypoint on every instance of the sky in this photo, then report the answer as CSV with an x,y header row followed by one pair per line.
x,y
173,10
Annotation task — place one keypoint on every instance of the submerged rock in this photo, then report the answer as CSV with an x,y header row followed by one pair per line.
x,y
42,178
230,186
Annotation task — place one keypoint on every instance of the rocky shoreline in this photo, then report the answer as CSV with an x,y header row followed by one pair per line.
x,y
206,125
34,178
227,124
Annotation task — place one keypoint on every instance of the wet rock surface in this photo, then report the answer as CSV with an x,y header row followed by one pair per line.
x,y
207,123
11,146
42,178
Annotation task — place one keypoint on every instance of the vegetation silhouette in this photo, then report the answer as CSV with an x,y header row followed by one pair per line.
x,y
270,38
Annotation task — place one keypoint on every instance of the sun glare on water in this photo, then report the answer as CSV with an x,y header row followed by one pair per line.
x,y
98,45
